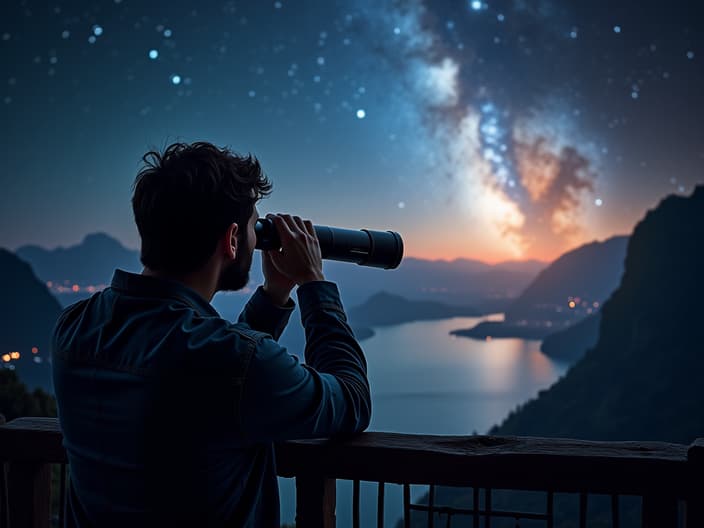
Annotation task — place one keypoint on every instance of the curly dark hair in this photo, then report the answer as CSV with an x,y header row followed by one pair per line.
x,y
185,198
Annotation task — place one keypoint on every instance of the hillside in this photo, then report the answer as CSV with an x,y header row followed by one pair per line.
x,y
587,274
572,343
569,290
385,309
641,380
29,313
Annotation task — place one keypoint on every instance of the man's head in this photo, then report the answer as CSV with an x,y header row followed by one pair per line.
x,y
193,201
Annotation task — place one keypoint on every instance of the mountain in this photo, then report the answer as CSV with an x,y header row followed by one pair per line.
x,y
586,275
642,379
568,290
90,262
571,343
385,309
29,313
460,282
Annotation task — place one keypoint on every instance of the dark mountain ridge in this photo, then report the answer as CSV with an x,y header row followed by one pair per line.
x,y
29,313
460,281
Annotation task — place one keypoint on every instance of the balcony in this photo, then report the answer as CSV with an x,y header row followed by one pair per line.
x,y
669,478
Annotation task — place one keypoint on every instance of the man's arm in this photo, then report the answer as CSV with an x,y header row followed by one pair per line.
x,y
262,314
283,399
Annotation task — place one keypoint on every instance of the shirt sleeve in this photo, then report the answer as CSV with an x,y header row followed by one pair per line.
x,y
262,315
283,399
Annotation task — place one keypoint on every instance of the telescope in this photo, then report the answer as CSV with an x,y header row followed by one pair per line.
x,y
377,249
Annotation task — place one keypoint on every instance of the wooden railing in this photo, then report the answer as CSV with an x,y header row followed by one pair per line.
x,y
668,477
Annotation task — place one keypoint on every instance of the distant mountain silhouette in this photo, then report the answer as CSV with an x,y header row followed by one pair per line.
x,y
90,262
460,282
29,313
589,273
585,276
642,379
571,343
383,309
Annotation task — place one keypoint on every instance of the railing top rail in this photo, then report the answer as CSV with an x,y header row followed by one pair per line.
x,y
555,464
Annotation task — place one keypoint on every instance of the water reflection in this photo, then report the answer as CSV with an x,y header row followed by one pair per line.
x,y
426,381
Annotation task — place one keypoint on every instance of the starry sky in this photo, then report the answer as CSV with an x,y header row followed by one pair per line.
x,y
489,129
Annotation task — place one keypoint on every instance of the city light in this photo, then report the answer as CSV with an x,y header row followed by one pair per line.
x,y
35,350
15,355
6,358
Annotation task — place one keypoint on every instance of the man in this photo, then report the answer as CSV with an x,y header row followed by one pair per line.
x,y
168,410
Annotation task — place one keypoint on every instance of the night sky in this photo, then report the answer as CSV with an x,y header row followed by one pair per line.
x,y
485,129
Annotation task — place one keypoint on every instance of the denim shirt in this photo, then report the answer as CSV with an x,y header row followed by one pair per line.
x,y
169,412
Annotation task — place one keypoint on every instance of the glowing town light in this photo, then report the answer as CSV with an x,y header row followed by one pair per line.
x,y
153,54
598,202
75,288
97,30
6,358
476,5
176,79
35,350
361,114
167,33
572,304
15,355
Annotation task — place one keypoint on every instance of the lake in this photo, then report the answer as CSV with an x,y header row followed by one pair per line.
x,y
424,380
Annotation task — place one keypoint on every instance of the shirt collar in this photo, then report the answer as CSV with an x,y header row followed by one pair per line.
x,y
146,286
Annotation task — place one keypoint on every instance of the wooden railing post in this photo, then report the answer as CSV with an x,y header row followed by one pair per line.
x,y
695,503
29,494
659,511
315,501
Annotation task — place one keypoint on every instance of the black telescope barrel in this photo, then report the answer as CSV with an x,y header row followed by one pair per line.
x,y
379,249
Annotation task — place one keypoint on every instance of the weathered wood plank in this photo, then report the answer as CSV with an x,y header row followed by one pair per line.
x,y
561,465
499,462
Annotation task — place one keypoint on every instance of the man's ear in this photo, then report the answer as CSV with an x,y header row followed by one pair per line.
x,y
230,241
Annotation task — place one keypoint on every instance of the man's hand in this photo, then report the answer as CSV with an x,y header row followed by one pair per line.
x,y
276,285
299,260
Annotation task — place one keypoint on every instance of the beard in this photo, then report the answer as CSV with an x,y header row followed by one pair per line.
x,y
236,275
